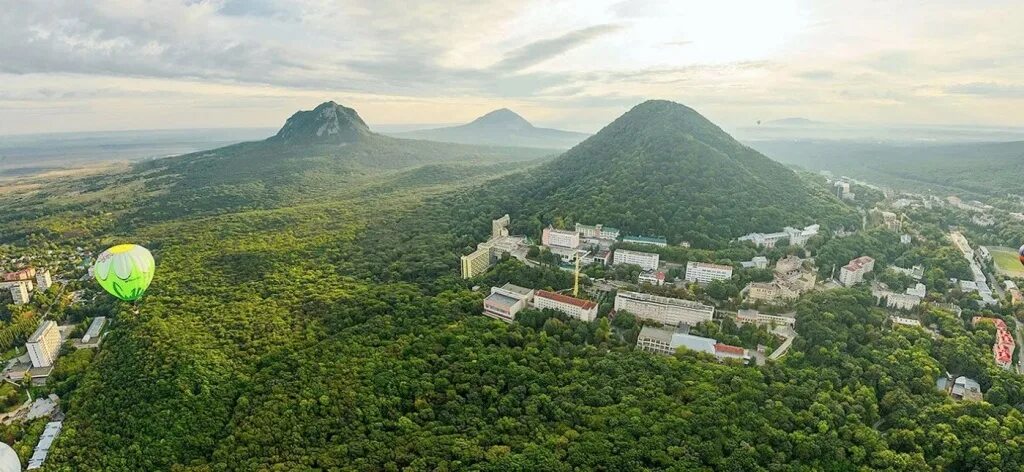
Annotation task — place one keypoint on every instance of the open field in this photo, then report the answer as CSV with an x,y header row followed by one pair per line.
x,y
1006,262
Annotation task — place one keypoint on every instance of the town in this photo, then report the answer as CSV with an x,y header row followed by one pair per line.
x,y
680,296
49,328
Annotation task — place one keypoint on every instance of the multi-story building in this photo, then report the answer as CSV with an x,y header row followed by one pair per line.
x,y
597,231
43,280
504,302
489,251
647,240
853,273
652,277
476,262
552,237
758,262
646,260
918,290
905,321
94,328
796,237
899,301
665,342
756,317
598,256
788,264
585,310
702,272
44,344
1002,349
664,310
19,290
905,239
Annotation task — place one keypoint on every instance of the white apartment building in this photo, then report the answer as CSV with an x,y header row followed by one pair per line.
x,y
585,310
664,310
19,291
651,277
853,273
796,237
44,344
552,237
756,317
702,272
43,280
646,260
597,231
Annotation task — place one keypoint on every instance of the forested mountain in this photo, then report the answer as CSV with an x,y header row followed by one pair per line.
x,y
333,332
969,169
664,169
500,128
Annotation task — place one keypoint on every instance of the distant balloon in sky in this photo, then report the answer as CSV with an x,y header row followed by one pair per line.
x,y
125,271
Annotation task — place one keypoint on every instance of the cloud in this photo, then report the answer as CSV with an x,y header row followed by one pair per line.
x,y
987,90
817,74
540,51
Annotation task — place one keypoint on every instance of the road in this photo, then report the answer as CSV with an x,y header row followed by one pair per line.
x,y
1020,342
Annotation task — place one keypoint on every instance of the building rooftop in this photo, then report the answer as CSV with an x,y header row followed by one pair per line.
x,y
43,327
664,300
645,239
516,289
637,253
501,300
727,349
584,304
658,334
707,265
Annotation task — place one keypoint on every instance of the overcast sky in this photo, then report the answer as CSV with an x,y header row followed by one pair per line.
x,y
136,64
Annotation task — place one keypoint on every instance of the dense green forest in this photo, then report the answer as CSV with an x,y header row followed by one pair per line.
x,y
332,332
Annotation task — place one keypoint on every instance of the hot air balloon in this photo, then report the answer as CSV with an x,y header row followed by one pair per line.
x,y
1020,254
9,461
125,271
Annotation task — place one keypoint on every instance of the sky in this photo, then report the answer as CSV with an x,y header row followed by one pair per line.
x,y
138,64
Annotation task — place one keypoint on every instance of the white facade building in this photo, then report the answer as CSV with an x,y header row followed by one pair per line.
x,y
552,237
796,237
853,273
19,291
504,302
664,310
652,277
585,310
702,272
44,344
43,281
646,260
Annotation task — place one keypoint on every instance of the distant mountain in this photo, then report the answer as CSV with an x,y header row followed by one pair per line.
x,y
315,153
500,128
664,169
795,121
976,169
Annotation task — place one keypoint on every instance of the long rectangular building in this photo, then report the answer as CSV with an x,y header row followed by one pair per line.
x,y
702,272
646,260
664,310
44,344
585,310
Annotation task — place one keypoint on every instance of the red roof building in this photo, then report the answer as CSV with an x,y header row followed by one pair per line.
x,y
1002,349
585,310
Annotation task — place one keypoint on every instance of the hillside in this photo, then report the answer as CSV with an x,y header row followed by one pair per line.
x,y
500,128
971,169
664,169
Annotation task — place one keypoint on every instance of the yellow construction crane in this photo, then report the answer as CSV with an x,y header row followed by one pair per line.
x,y
576,277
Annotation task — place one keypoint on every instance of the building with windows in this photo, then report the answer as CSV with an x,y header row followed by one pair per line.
x,y
702,272
646,260
647,240
1002,349
796,237
504,302
488,252
20,290
597,232
44,344
756,317
560,238
899,301
905,321
585,310
918,290
652,277
758,262
94,329
666,342
853,273
664,310
43,280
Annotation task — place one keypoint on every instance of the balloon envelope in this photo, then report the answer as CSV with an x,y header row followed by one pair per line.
x,y
1020,254
125,271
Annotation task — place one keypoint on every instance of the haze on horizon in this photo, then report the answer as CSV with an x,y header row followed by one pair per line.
x,y
137,64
